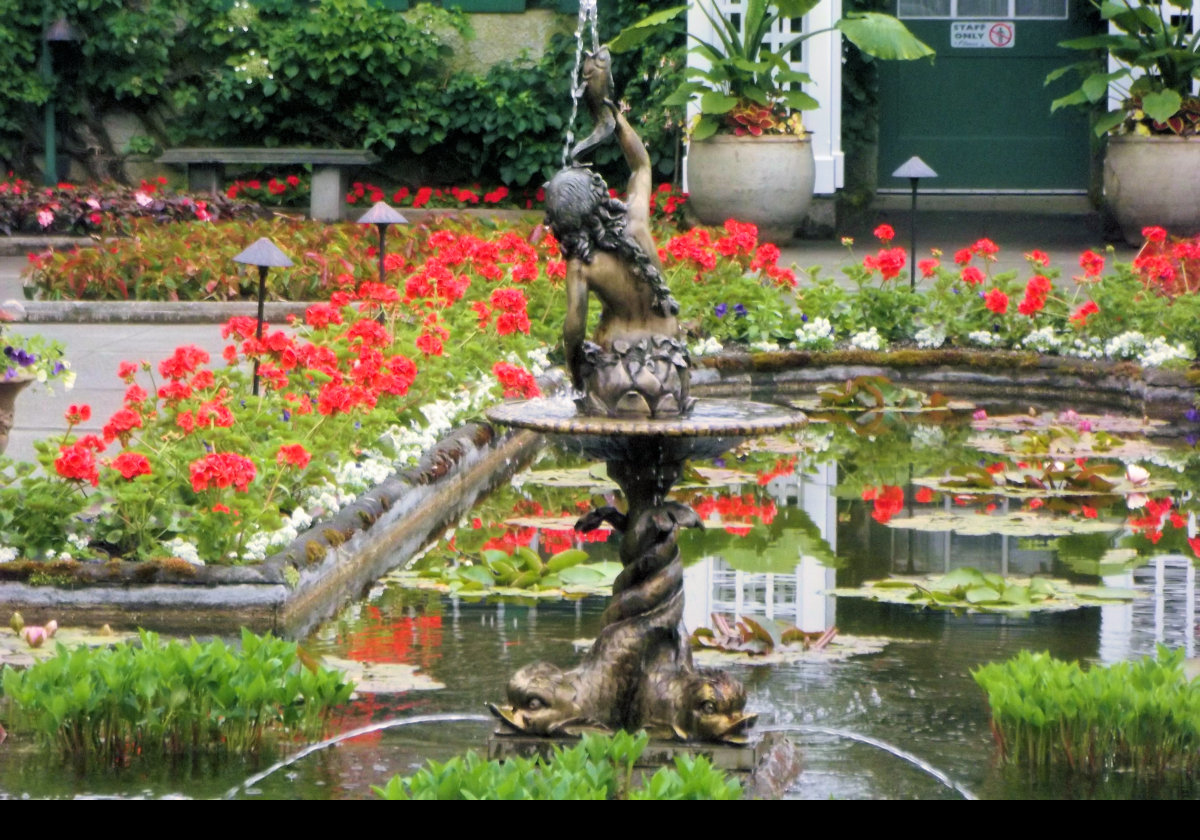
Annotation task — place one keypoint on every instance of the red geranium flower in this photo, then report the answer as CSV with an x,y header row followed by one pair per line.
x,y
131,464
121,425
77,462
517,381
222,469
972,276
77,414
1091,263
1079,318
996,301
294,454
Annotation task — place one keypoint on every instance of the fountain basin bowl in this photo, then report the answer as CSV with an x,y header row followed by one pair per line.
x,y
712,427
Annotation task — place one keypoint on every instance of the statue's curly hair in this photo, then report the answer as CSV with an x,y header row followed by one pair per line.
x,y
583,217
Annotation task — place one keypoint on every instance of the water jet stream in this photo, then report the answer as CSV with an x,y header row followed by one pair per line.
x,y
883,745
353,733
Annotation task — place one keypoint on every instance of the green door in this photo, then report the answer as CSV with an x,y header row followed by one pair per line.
x,y
980,114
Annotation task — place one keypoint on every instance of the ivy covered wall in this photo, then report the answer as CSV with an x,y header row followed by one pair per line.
x,y
346,73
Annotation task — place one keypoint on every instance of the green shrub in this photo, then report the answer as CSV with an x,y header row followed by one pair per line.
x,y
1139,716
170,699
601,767
347,73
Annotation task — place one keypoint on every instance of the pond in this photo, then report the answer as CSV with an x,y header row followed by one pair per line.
x,y
854,498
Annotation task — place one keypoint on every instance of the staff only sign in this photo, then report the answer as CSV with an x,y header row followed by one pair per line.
x,y
981,34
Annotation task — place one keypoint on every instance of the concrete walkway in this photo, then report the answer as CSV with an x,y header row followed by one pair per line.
x,y
95,349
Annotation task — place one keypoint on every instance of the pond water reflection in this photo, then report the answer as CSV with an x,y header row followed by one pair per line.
x,y
794,518
788,520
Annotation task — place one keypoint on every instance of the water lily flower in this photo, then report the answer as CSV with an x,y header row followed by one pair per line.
x,y
1136,475
35,636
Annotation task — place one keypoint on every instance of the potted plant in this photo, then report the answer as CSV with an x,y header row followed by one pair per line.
x,y
25,359
1152,163
749,156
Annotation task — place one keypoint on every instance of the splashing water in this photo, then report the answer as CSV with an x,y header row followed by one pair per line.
x,y
886,747
587,20
346,736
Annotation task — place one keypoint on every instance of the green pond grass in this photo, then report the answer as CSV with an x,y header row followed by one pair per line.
x,y
1141,717
600,767
163,699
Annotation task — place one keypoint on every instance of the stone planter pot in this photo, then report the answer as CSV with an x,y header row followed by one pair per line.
x,y
1152,181
9,388
765,180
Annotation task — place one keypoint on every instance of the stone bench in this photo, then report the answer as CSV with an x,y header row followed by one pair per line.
x,y
206,170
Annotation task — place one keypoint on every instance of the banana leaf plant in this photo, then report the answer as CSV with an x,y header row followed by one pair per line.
x,y
750,88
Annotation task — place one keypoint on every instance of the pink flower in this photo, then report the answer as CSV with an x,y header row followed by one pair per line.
x,y
45,217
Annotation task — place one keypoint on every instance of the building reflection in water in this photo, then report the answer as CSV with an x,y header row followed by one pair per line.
x,y
1165,615
712,585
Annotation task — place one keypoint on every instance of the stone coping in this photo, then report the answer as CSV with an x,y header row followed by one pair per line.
x,y
990,376
290,592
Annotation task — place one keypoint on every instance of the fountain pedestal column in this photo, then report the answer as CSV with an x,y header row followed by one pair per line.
x,y
639,672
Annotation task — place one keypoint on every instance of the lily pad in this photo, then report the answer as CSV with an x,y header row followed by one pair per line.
x,y
1013,524
874,393
1042,480
1119,425
16,652
970,590
840,648
382,677
595,475
1084,445
810,405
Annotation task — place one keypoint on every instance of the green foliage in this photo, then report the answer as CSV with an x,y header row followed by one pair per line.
x,y
1141,717
601,767
169,699
876,392
36,510
22,88
967,588
1157,59
347,73
743,71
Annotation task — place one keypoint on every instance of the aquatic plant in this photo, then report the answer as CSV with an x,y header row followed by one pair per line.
x,y
158,698
967,588
521,572
1142,717
600,767
757,635
877,392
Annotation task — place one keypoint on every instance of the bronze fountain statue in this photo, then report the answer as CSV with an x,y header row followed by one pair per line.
x,y
633,410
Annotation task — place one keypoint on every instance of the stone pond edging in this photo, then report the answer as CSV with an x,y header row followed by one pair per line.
x,y
986,375
288,593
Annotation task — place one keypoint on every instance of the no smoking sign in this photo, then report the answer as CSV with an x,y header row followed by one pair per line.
x,y
982,34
